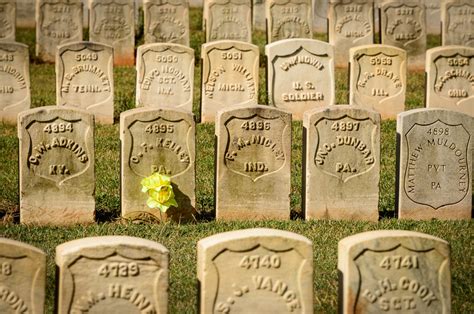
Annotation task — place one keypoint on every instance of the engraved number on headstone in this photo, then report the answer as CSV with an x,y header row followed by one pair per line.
x,y
257,261
6,269
115,269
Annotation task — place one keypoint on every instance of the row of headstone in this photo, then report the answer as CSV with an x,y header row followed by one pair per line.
x,y
351,23
26,9
432,7
300,77
341,163
252,270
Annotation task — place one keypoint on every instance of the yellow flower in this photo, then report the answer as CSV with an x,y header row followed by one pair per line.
x,y
159,190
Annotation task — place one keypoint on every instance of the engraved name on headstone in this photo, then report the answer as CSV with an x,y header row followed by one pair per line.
x,y
57,22
342,163
450,78
112,22
57,179
112,274
378,79
351,23
300,75
165,76
288,19
253,163
255,271
394,271
84,79
229,76
403,25
229,20
166,21
22,277
157,140
457,22
435,164
7,20
14,81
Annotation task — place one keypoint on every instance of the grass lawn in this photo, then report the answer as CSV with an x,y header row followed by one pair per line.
x,y
181,239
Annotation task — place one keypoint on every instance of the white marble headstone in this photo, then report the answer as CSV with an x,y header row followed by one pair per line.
x,y
300,75
165,76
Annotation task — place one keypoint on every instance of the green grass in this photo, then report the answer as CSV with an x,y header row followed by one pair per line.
x,y
181,239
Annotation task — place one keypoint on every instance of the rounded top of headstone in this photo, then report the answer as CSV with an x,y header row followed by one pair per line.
x,y
155,111
81,44
165,46
51,112
246,110
381,240
254,235
8,246
295,42
376,47
6,44
337,110
438,112
224,44
444,50
350,1
106,245
52,109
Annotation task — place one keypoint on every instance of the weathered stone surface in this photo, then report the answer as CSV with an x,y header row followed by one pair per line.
x,y
7,20
57,179
23,276
14,80
112,22
351,24
457,20
228,20
253,163
378,79
433,16
450,78
258,13
300,75
25,10
255,271
165,76
157,140
403,25
435,164
57,22
85,78
342,163
120,274
288,19
229,76
394,271
166,21
320,16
